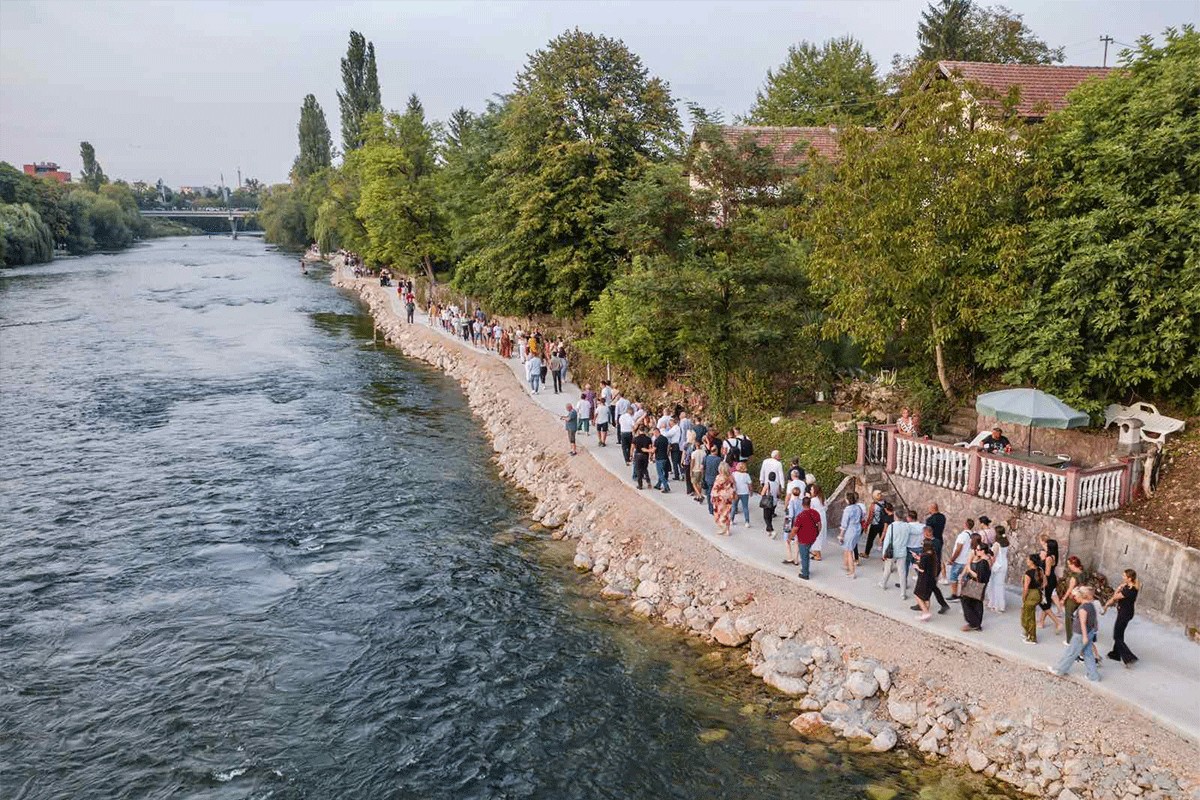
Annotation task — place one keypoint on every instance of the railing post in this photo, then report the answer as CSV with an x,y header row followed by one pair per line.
x,y
1126,482
1071,499
890,462
974,464
862,445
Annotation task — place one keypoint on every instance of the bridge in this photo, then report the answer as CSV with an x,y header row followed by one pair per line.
x,y
218,213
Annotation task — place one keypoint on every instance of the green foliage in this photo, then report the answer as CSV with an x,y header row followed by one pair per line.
x,y
360,96
1109,306
470,143
907,234
808,436
835,82
316,146
24,237
584,117
284,216
92,176
716,289
959,30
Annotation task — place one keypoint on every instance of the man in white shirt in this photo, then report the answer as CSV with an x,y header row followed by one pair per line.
x,y
622,405
959,558
685,425
674,438
915,536
625,426
639,414
769,465
584,409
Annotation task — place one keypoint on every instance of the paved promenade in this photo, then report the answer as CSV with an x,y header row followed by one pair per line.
x,y
1164,684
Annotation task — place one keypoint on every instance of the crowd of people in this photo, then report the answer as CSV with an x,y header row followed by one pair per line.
x,y
713,467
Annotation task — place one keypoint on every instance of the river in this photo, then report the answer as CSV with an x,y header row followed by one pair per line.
x,y
249,554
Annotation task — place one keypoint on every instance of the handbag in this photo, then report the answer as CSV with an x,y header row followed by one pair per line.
x,y
766,501
971,589
888,552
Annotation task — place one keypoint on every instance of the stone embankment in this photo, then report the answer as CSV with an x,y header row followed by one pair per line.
x,y
852,671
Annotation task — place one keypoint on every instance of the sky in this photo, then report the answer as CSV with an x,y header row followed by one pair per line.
x,y
185,91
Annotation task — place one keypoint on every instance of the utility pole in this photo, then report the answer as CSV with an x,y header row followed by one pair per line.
x,y
1107,41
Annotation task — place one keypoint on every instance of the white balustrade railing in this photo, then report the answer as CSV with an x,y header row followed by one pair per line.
x,y
1100,492
934,463
877,445
1036,489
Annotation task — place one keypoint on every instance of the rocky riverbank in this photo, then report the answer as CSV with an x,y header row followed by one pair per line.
x,y
861,675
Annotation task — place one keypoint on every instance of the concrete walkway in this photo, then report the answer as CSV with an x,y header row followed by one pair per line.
x,y
1164,684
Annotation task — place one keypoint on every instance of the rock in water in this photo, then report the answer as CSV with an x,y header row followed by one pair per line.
x,y
583,562
808,723
884,741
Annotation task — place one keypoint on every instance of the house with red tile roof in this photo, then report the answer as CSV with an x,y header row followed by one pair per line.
x,y
1040,89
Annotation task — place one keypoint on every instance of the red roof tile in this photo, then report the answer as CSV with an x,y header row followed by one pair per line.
x,y
1043,87
790,145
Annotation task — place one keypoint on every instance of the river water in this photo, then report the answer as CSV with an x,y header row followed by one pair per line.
x,y
248,554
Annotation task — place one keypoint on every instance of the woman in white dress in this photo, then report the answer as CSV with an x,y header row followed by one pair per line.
x,y
818,504
994,596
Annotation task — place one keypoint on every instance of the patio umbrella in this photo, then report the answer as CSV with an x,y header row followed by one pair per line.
x,y
1031,407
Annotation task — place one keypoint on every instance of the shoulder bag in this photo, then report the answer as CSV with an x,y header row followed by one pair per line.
x,y
971,589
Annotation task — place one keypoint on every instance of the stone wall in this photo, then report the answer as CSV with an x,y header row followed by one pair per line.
x,y
1166,568
1088,447
852,671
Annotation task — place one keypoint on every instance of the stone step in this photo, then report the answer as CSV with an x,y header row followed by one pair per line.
x,y
964,416
947,438
963,433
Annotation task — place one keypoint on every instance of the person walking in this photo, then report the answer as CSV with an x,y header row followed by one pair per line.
x,y
996,600
410,309
927,572
533,371
1125,597
584,407
1048,556
625,434
818,504
662,461
914,539
977,573
1031,596
571,419
805,529
960,557
770,464
602,422
875,529
694,454
1087,623
675,444
1074,579
556,372
643,446
742,483
849,531
723,493
891,550
712,468
768,500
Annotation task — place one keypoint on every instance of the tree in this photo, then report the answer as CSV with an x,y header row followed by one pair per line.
x,y
1109,302
959,30
584,117
471,141
821,85
908,231
316,146
360,95
717,295
92,176
398,205
284,216
24,237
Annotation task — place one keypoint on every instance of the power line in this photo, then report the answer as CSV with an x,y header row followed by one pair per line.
x,y
1107,40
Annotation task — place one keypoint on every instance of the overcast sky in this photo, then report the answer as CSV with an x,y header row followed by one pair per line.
x,y
184,91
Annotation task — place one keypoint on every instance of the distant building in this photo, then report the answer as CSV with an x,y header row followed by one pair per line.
x,y
189,191
47,169
1041,88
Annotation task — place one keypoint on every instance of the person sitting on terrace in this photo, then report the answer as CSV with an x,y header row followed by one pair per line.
x,y
996,442
907,424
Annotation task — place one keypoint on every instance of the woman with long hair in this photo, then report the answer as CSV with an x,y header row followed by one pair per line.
x,y
927,572
1031,596
1048,556
1125,597
979,569
1070,604
723,495
817,504
996,600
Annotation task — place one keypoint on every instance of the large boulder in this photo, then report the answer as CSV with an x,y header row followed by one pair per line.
x,y
785,683
725,631
648,589
862,685
885,740
809,723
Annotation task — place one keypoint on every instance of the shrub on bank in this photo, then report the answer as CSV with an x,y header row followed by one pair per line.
x,y
808,435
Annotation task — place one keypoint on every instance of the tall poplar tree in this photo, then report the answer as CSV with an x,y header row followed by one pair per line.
x,y
93,176
360,95
316,145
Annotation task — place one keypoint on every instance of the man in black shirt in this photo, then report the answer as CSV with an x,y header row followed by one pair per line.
x,y
642,445
936,522
662,461
996,442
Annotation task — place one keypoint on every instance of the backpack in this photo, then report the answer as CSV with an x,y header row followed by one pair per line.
x,y
746,447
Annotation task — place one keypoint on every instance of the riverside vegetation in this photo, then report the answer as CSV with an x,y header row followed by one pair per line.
x,y
956,253
850,672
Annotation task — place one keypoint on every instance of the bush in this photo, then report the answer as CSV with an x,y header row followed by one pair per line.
x,y
809,436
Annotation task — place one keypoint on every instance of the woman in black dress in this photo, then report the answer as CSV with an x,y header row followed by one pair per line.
x,y
978,569
1049,565
927,572
1125,597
